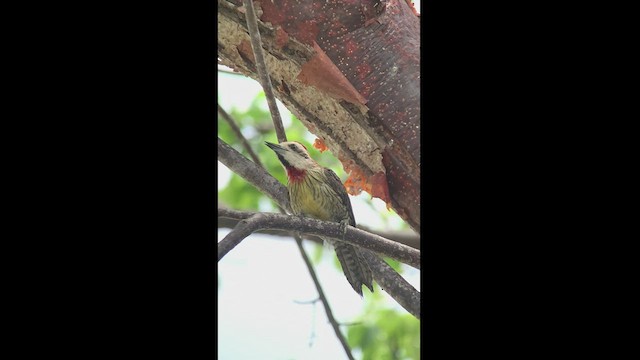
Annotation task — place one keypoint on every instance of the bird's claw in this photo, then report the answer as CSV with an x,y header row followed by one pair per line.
x,y
343,228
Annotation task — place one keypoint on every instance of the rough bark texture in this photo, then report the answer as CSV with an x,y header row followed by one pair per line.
x,y
350,71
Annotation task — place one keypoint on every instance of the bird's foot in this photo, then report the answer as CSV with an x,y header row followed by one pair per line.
x,y
343,228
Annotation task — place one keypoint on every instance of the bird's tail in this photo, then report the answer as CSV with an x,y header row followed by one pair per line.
x,y
354,266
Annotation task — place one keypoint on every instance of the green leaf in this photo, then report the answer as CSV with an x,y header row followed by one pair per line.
x,y
386,334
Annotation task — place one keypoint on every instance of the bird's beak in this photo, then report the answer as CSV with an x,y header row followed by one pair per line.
x,y
275,147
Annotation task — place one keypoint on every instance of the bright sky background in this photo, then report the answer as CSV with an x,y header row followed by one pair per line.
x,y
262,278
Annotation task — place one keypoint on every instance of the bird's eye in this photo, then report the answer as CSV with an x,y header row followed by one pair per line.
x,y
293,146
298,150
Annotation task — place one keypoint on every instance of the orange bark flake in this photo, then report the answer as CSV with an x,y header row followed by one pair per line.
x,y
357,182
321,73
320,145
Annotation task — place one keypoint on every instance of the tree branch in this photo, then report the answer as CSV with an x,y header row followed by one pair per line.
x,y
408,238
261,66
252,221
394,284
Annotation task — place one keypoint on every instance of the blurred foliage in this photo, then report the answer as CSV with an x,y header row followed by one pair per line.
x,y
388,335
384,333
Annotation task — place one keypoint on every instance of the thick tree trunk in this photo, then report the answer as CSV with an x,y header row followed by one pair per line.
x,y
350,71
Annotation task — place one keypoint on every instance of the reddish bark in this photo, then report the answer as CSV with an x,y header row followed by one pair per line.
x,y
321,72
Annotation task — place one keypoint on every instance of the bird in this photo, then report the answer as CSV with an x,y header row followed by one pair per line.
x,y
317,192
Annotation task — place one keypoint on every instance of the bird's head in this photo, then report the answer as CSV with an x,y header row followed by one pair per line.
x,y
293,155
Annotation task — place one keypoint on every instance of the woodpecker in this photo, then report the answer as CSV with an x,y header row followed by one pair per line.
x,y
317,192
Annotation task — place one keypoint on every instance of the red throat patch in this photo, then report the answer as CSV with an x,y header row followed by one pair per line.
x,y
295,175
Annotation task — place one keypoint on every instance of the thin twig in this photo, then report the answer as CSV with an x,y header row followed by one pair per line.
x,y
312,336
239,135
325,302
261,67
253,221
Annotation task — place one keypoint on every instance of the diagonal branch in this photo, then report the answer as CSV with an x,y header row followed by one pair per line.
x,y
239,135
253,221
394,284
261,66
